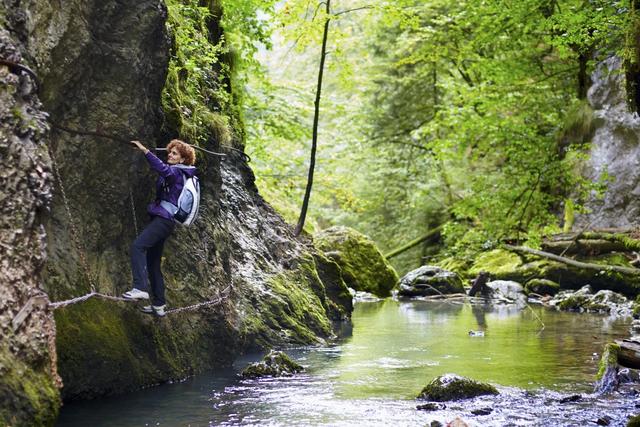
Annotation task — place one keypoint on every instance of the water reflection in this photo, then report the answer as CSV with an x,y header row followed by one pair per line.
x,y
373,374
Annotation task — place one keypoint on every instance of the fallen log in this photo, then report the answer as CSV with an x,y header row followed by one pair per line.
x,y
629,353
414,242
584,246
589,266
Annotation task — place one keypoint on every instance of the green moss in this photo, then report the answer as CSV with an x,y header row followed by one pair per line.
x,y
634,421
628,241
28,394
195,93
106,348
274,364
609,359
451,387
541,287
574,303
363,266
457,265
293,311
579,124
499,263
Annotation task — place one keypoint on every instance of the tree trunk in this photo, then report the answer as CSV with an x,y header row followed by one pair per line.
x,y
316,116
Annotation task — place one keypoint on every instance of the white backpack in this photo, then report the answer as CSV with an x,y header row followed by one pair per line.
x,y
186,211
189,201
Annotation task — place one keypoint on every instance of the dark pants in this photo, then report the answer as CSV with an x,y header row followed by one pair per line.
x,y
146,254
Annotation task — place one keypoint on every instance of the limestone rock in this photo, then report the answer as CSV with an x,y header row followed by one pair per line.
x,y
453,387
29,381
363,266
603,301
430,280
274,364
508,292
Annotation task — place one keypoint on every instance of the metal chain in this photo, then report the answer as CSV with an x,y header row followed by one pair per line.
x,y
74,229
133,211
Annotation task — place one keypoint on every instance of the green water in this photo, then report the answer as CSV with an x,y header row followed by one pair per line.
x,y
401,345
372,374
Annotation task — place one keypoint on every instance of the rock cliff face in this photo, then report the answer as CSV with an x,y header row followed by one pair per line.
x,y
615,150
28,378
102,65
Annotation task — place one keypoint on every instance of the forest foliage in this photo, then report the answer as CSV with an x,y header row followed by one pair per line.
x,y
469,115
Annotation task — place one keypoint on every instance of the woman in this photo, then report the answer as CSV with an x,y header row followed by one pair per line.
x,y
146,250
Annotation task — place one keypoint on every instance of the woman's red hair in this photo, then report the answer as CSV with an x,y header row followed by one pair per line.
x,y
186,151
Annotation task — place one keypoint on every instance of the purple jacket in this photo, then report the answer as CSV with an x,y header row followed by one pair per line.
x,y
169,184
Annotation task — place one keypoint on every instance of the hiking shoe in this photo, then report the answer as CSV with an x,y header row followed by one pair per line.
x,y
158,310
136,294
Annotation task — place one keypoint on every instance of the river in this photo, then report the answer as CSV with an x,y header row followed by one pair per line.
x,y
370,375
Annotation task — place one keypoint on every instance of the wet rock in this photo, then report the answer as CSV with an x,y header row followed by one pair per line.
x,y
274,364
572,398
363,266
453,387
506,291
604,301
541,287
431,406
436,423
482,411
430,280
29,382
604,421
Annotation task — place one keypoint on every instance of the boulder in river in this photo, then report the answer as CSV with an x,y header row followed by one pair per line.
x,y
274,364
453,387
541,287
430,280
364,268
604,301
507,291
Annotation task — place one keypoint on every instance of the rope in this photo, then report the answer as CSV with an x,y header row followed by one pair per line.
x,y
93,294
72,224
60,304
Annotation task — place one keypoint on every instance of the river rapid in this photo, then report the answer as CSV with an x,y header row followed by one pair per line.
x,y
542,361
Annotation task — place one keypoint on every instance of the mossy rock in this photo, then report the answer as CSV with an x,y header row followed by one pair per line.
x,y
634,421
430,280
274,364
499,263
456,265
541,287
363,266
29,396
453,387
106,348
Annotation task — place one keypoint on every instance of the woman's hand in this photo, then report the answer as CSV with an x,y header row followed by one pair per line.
x,y
140,146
